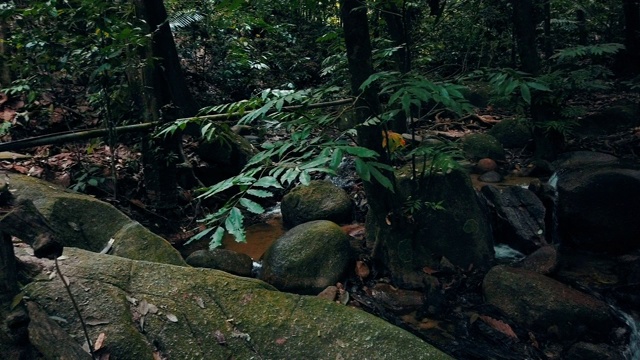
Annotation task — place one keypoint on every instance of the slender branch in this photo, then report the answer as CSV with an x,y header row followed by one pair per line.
x,y
67,136
75,306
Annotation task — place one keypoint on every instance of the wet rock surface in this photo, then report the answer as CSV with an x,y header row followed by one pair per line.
x,y
519,217
320,200
150,310
538,302
221,259
598,204
85,222
307,258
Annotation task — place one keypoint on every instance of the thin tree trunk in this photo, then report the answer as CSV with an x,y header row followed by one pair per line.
x,y
548,46
632,34
167,99
5,74
548,143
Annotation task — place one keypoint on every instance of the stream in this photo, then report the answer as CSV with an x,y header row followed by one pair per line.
x,y
261,235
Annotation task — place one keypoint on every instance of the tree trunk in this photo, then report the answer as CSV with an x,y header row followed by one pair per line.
x,y
581,19
632,34
358,44
548,143
398,27
5,74
167,98
548,46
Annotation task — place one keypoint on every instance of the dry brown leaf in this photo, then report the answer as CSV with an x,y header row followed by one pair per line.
x,y
220,337
429,271
428,324
171,317
99,342
8,114
362,270
500,326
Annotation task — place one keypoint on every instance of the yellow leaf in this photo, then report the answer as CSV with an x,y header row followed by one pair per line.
x,y
395,140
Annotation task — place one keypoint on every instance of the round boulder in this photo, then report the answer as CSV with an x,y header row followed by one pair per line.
x,y
546,305
478,146
307,258
320,200
221,259
598,208
511,133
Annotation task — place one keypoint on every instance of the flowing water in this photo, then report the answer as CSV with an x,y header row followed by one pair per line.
x,y
632,352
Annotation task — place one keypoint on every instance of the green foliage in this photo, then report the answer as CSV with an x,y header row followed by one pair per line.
x,y
408,93
575,52
93,46
91,176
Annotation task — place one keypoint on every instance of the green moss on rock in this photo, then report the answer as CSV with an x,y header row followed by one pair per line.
x,y
252,320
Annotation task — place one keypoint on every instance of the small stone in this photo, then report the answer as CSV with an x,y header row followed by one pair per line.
x,y
329,293
490,177
543,261
486,165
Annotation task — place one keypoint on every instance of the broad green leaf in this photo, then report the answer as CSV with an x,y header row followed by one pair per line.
x,y
260,193
290,176
234,226
267,182
538,86
526,94
251,206
314,163
359,151
305,178
199,236
383,180
363,170
336,159
216,239
511,86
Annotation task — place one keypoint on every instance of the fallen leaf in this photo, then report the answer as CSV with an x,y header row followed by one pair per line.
x,y
429,271
220,337
143,308
95,322
499,325
172,317
200,302
153,309
362,270
132,300
99,342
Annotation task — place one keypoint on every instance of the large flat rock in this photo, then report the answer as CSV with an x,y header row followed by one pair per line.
x,y
209,314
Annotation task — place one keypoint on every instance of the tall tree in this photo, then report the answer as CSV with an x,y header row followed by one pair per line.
x,y
166,98
631,10
548,142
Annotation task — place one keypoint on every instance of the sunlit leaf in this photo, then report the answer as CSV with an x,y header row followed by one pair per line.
x,y
251,206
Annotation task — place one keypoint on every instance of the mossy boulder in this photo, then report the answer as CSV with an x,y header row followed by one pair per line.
x,y
458,229
222,259
511,133
320,200
195,313
543,304
307,258
616,118
224,157
85,222
478,146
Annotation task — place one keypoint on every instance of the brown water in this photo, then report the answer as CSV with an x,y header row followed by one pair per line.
x,y
508,180
259,238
